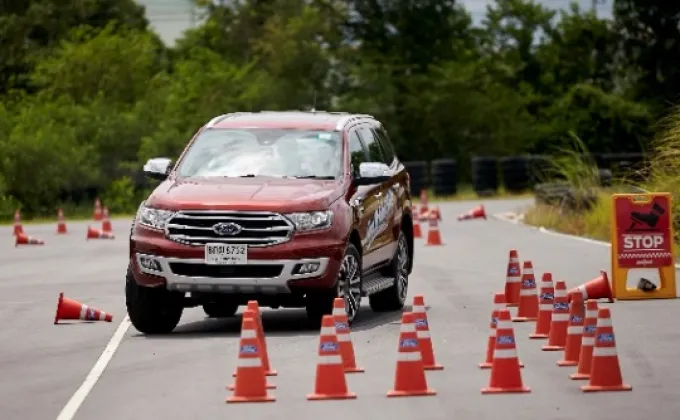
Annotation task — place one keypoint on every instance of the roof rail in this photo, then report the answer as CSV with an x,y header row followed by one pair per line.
x,y
222,117
343,122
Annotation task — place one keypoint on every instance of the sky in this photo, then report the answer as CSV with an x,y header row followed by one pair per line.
x,y
170,18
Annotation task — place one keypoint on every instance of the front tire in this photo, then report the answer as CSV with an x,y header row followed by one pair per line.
x,y
152,310
348,287
393,298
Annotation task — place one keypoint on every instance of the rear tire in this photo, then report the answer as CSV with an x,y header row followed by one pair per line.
x,y
152,310
220,309
393,299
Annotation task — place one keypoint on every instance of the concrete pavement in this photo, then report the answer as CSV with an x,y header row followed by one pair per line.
x,y
183,376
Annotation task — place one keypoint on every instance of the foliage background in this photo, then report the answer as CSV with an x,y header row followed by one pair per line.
x,y
88,91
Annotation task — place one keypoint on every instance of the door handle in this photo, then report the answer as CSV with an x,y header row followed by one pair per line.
x,y
378,194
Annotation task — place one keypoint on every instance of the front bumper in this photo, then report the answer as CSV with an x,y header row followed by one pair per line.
x,y
257,276
269,270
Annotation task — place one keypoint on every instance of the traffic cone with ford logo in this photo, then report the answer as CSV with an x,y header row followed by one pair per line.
x,y
251,382
409,377
344,336
506,375
605,372
545,308
597,288
250,314
528,298
69,309
330,381
587,342
513,279
572,349
557,338
423,333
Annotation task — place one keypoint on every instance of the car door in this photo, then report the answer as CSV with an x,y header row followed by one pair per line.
x,y
396,187
379,236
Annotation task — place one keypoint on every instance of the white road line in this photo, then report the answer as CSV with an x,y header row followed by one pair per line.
x,y
72,406
541,229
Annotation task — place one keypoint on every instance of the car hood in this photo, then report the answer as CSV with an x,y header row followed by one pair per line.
x,y
266,194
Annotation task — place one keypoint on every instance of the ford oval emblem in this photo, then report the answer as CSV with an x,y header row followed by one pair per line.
x,y
227,229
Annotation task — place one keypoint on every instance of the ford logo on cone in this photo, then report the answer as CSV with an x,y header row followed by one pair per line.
x,y
227,229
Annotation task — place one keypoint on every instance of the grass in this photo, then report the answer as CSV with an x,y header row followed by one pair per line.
x,y
71,214
594,224
662,176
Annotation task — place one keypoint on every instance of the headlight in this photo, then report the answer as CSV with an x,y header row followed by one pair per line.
x,y
154,218
312,220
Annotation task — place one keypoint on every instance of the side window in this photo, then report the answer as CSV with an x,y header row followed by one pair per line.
x,y
385,143
357,153
375,152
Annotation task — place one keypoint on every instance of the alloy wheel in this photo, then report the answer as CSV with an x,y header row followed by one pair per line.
x,y
349,285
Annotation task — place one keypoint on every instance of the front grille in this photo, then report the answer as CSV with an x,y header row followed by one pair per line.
x,y
250,271
258,228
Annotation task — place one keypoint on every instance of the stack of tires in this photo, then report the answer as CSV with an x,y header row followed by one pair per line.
x,y
444,177
515,173
420,179
485,175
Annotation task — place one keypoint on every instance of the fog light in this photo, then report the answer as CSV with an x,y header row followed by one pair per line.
x,y
306,268
150,263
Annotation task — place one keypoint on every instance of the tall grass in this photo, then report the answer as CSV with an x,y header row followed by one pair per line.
x,y
576,167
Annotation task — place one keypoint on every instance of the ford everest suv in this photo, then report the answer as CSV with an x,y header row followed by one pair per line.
x,y
291,209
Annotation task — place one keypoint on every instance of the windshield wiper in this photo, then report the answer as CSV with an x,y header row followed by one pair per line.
x,y
247,176
314,177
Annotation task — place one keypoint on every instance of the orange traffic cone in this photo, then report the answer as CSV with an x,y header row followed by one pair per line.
x,y
433,235
255,307
251,382
423,333
342,332
61,223
69,309
249,313
528,299
559,320
545,308
476,213
417,231
436,213
409,377
330,381
513,279
587,343
97,214
93,233
605,372
597,288
23,239
498,303
106,222
506,375
572,349
18,227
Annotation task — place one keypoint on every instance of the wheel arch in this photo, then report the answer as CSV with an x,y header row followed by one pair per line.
x,y
407,228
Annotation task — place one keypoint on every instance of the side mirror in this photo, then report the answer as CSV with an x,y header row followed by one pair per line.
x,y
371,173
158,168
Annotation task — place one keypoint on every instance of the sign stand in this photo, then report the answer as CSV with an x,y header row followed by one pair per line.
x,y
642,240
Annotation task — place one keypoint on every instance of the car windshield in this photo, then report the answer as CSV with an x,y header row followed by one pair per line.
x,y
263,152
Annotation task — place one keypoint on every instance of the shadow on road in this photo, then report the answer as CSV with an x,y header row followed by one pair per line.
x,y
278,323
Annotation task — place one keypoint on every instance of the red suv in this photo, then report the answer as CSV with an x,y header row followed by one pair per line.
x,y
291,209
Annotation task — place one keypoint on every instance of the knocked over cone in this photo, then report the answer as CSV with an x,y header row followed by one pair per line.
x,y
476,213
69,309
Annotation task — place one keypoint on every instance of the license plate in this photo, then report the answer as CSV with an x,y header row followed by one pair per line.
x,y
223,254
